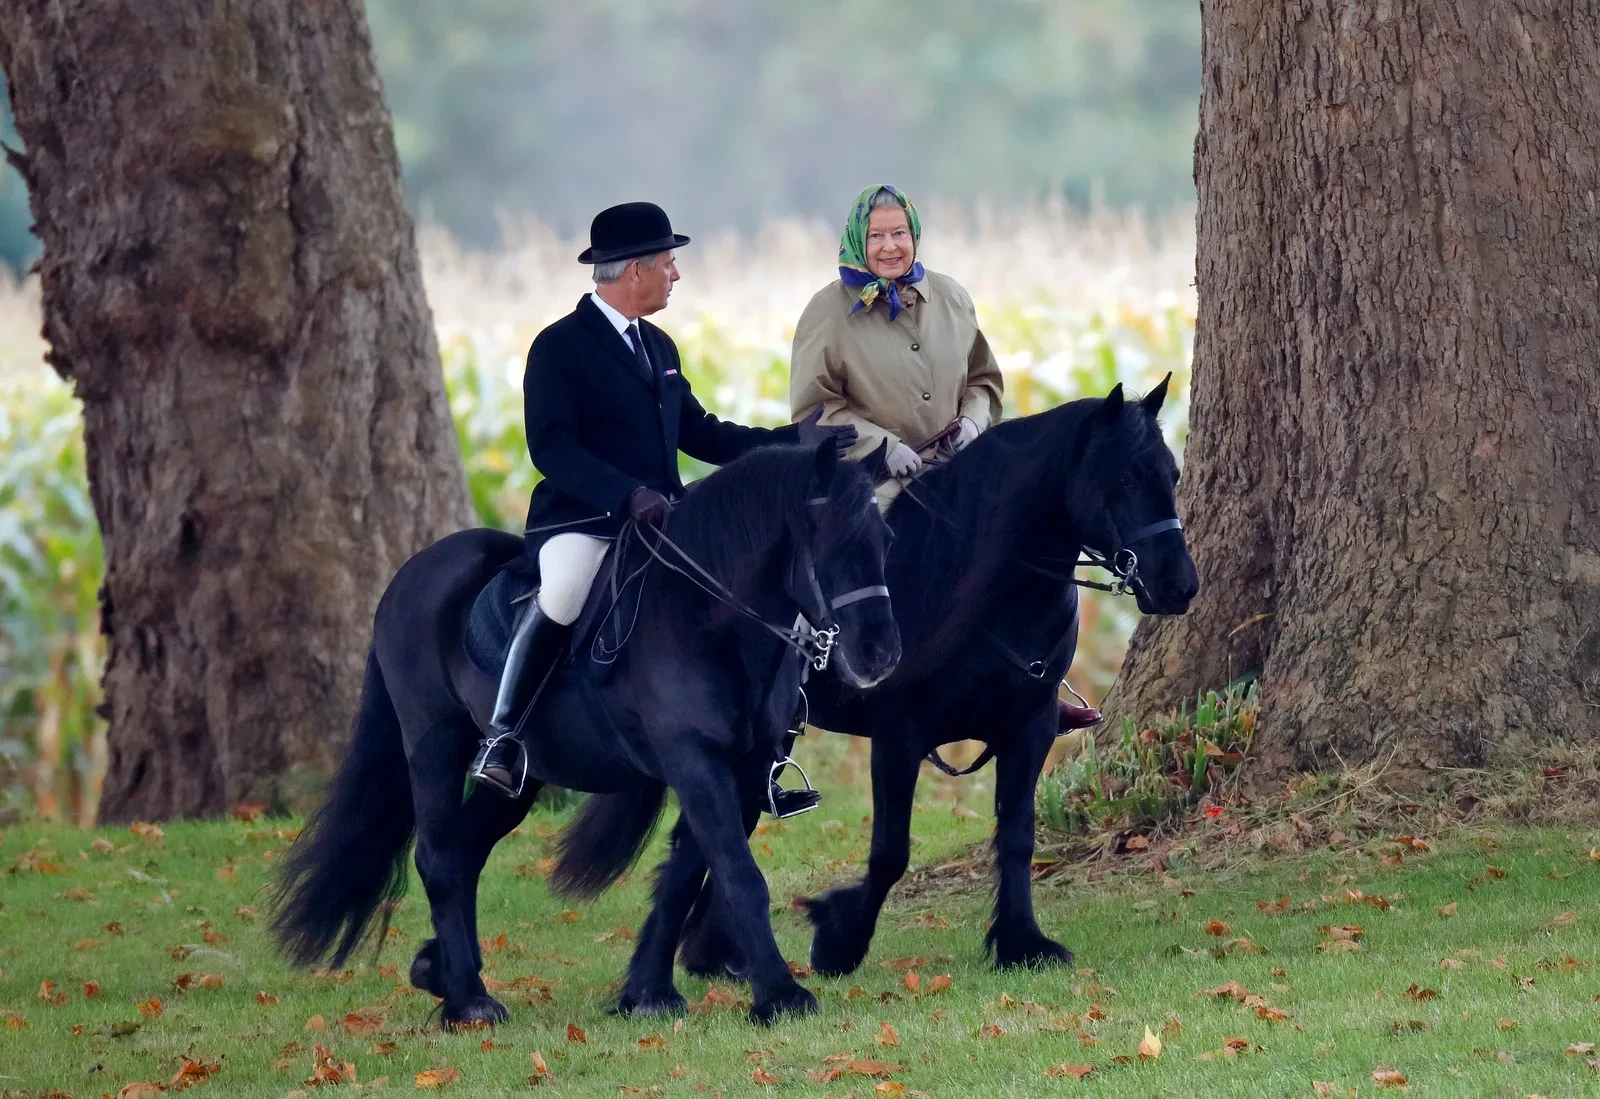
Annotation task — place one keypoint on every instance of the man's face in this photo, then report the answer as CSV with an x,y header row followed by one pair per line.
x,y
655,276
890,251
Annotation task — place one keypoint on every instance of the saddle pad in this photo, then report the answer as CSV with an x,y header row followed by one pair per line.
x,y
494,614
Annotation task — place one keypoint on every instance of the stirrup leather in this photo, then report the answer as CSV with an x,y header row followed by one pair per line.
x,y
783,803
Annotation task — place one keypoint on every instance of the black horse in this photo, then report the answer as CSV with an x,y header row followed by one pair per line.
x,y
981,576
698,700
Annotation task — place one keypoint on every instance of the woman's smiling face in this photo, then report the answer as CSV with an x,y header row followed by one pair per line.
x,y
890,250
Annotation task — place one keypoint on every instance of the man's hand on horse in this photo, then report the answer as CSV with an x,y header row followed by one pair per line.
x,y
646,505
814,433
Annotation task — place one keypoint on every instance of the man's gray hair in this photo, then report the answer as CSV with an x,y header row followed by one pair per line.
x,y
607,273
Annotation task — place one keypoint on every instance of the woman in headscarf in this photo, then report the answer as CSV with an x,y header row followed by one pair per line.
x,y
895,351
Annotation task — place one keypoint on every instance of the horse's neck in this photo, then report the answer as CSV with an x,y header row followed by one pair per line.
x,y
680,607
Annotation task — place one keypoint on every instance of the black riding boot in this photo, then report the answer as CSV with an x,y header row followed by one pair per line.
x,y
502,761
790,803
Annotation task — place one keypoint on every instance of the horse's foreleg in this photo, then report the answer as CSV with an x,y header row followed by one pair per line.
x,y
711,804
486,819
1014,937
448,964
649,989
846,918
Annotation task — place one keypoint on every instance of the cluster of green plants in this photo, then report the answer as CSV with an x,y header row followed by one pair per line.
x,y
1155,772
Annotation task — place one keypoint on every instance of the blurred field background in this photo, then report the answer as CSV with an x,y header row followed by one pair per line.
x,y
754,125
1072,304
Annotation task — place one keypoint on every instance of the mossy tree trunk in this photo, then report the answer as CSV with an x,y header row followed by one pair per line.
x,y
1392,484
231,284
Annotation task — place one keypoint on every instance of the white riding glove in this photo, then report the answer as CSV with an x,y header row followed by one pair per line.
x,y
902,461
966,431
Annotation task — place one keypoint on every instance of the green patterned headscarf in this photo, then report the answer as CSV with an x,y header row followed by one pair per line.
x,y
853,253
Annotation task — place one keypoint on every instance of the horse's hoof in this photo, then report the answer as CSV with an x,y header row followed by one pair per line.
x,y
427,969
1034,953
838,947
479,1011
670,1002
796,1002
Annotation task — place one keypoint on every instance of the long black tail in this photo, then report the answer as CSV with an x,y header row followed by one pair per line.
x,y
350,859
606,837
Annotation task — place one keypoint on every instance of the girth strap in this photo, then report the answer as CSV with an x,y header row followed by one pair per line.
x,y
984,757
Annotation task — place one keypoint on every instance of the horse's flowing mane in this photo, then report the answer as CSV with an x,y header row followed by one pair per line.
x,y
729,520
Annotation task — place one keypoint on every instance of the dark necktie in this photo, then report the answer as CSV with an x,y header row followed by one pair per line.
x,y
637,340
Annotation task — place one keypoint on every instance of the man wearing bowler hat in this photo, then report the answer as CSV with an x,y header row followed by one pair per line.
x,y
607,409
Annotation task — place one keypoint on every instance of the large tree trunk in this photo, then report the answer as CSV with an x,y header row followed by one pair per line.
x,y
1392,484
230,282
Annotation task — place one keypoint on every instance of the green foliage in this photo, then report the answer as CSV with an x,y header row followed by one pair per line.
x,y
50,568
1156,772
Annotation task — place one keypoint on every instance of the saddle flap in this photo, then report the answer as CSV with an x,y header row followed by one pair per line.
x,y
493,617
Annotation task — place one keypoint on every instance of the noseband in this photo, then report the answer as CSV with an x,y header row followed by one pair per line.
x,y
1124,564
825,632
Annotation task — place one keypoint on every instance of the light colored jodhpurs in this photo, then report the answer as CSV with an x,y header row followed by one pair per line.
x,y
567,566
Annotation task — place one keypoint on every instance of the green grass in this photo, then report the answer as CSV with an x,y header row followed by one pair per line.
x,y
1135,931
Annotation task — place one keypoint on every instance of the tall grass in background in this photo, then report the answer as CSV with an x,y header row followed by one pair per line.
x,y
1071,304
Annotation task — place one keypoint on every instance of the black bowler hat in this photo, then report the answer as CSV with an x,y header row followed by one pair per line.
x,y
628,231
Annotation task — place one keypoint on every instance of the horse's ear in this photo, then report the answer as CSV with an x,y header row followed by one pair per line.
x,y
1153,400
826,464
1112,406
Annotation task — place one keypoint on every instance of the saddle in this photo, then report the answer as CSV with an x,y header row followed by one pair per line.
x,y
493,616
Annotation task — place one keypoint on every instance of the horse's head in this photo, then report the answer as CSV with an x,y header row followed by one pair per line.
x,y
837,577
1121,502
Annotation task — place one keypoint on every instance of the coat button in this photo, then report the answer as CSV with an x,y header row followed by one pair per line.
x,y
916,347
927,396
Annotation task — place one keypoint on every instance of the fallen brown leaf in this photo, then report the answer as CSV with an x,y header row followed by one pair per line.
x,y
868,1068
150,1008
1566,919
383,1049
265,998
1419,994
541,1071
912,981
1149,1046
1578,1049
359,1025
992,1030
1077,1072
141,1090
1216,927
889,1089
316,1022
1450,963
762,1076
887,1036
901,964
653,1042
192,1073
437,1077
1386,1077
575,1034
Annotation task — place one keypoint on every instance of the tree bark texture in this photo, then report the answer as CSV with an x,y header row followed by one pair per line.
x,y
231,284
1392,483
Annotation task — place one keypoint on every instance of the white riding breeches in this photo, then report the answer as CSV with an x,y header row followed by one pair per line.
x,y
567,565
